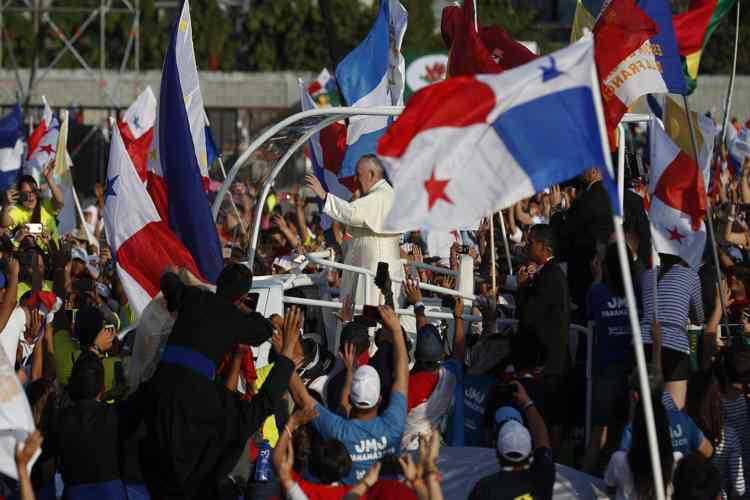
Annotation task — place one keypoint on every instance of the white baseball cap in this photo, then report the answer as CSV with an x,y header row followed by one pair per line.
x,y
513,441
365,391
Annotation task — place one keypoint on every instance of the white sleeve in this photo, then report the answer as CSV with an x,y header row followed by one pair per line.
x,y
343,211
296,493
613,473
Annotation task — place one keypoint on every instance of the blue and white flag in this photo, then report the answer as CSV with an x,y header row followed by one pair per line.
x,y
373,75
325,173
179,152
11,147
468,147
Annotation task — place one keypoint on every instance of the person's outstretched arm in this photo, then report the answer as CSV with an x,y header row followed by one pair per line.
x,y
459,339
400,356
9,302
538,428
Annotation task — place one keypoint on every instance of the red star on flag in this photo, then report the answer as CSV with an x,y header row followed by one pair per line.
x,y
47,148
436,190
674,234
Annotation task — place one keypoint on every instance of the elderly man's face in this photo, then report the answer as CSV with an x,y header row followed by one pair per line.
x,y
365,177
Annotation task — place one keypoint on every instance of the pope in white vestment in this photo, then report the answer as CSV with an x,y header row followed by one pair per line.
x,y
370,242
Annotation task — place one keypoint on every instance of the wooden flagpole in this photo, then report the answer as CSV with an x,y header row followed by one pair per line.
x,y
710,215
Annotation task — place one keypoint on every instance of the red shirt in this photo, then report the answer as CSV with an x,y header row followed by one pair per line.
x,y
421,385
390,489
317,491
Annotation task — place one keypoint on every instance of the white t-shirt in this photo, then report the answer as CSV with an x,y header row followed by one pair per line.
x,y
13,333
619,475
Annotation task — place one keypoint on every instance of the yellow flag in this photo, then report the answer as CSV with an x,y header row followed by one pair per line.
x,y
676,125
582,19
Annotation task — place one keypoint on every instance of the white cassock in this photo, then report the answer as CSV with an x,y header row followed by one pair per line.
x,y
370,244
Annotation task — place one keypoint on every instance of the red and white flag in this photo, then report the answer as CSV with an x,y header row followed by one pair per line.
x,y
678,200
137,130
42,144
625,59
143,243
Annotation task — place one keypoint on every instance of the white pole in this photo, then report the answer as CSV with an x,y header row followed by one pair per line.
x,y
493,255
627,279
730,91
476,16
506,241
621,166
640,359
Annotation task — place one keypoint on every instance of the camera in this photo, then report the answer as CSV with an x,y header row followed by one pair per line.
x,y
464,249
23,197
383,282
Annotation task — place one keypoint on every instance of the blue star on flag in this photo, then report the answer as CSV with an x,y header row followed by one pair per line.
x,y
110,189
551,72
137,122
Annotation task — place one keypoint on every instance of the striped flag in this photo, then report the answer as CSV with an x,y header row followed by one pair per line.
x,y
178,162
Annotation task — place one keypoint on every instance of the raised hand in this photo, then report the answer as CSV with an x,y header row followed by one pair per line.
x,y
412,292
349,356
314,184
292,323
346,313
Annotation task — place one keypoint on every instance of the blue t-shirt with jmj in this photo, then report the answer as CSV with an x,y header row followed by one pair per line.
x,y
686,436
612,334
367,441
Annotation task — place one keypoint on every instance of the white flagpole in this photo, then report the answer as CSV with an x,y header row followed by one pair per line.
x,y
476,16
730,90
231,198
506,242
493,255
635,326
709,214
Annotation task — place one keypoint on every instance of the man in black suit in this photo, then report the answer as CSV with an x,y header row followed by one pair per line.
x,y
580,231
544,310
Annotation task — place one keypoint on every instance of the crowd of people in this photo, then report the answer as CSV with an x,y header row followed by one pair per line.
x,y
367,415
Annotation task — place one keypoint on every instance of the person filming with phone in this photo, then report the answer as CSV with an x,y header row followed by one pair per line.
x,y
24,206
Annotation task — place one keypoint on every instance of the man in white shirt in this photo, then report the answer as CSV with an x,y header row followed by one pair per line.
x,y
365,216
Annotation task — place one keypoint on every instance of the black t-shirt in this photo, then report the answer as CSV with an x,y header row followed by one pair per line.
x,y
536,482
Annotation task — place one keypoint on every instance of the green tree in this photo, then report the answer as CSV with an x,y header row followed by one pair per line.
x,y
422,32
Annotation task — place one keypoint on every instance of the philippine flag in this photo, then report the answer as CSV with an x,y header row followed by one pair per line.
x,y
326,153
11,147
470,146
143,243
373,75
178,162
678,200
42,143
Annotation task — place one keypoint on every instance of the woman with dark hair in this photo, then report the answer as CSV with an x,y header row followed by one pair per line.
x,y
630,473
24,205
706,408
678,293
612,356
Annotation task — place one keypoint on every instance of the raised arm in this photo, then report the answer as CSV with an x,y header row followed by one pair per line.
x,y
9,200
9,302
414,298
400,356
538,428
58,197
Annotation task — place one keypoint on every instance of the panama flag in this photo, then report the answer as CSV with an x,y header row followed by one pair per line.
x,y
64,177
373,75
42,144
137,130
143,243
11,147
470,146
178,163
678,199
326,153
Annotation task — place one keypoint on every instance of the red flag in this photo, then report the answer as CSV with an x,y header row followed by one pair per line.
x,y
622,28
471,52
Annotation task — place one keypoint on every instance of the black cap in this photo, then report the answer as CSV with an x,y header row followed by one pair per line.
x,y
89,322
429,345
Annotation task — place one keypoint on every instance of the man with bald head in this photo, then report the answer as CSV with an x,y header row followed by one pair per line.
x,y
364,217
